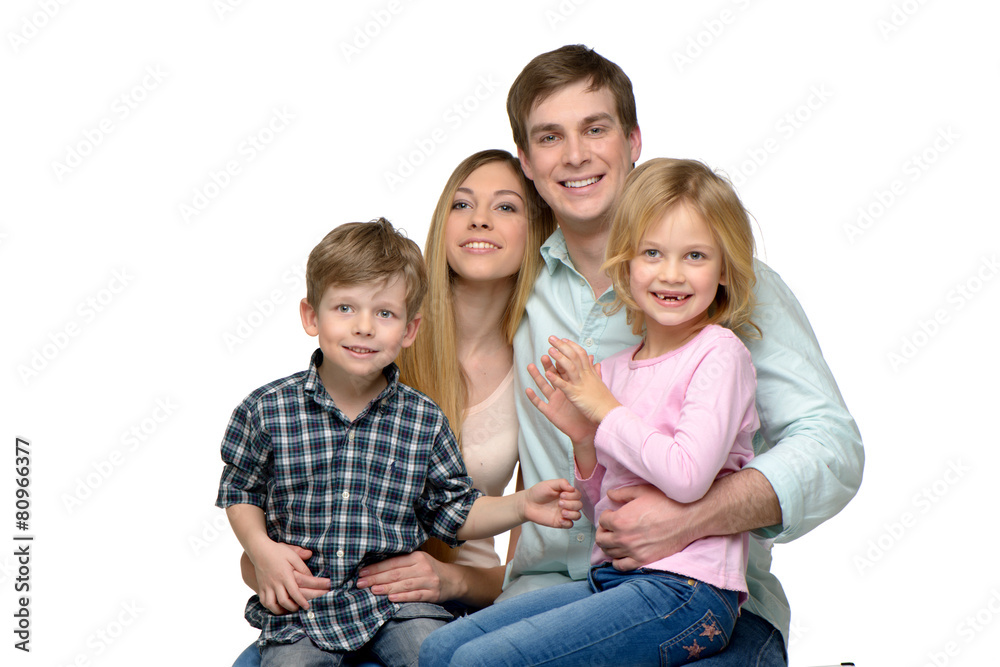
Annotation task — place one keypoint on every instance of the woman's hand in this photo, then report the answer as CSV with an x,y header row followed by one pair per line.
x,y
414,577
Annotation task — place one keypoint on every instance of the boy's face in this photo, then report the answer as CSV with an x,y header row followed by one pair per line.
x,y
361,328
578,155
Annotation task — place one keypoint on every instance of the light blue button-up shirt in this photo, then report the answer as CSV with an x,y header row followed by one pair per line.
x,y
808,446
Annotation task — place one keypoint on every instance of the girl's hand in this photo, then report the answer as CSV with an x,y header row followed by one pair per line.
x,y
571,370
557,408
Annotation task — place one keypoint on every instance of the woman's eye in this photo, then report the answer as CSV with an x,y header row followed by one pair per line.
x,y
507,208
459,205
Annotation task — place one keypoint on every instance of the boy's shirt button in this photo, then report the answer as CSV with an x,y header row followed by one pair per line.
x,y
345,495
340,553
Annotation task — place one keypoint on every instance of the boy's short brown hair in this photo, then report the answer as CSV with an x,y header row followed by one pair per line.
x,y
366,252
548,72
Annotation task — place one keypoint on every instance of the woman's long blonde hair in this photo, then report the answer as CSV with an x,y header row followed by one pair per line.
x,y
431,364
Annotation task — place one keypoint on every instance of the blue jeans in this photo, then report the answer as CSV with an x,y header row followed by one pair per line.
x,y
644,617
396,643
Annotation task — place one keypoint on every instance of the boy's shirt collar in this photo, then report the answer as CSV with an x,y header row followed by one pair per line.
x,y
313,386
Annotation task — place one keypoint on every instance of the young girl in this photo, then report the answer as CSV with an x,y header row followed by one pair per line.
x,y
676,411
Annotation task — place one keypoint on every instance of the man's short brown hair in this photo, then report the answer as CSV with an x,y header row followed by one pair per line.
x,y
366,252
549,72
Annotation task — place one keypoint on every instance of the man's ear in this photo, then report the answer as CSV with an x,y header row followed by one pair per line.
x,y
525,164
411,330
310,321
635,144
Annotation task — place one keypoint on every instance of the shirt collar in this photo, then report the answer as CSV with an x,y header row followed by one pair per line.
x,y
314,386
554,251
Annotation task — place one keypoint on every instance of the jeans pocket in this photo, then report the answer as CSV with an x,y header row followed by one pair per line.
x,y
705,637
408,610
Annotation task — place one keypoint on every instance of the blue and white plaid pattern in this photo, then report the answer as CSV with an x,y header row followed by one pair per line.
x,y
352,492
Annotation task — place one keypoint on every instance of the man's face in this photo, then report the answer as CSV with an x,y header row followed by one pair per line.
x,y
578,155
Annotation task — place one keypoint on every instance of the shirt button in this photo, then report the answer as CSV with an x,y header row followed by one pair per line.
x,y
310,615
582,282
340,553
350,436
579,538
345,495
589,342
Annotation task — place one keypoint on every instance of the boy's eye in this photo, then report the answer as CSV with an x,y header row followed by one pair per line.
x,y
343,308
384,314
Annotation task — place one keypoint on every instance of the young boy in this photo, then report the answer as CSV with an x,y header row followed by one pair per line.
x,y
344,461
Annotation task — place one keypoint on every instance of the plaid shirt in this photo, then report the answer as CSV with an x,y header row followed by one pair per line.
x,y
352,492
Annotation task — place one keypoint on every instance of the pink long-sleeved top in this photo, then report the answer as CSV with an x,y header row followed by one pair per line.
x,y
687,418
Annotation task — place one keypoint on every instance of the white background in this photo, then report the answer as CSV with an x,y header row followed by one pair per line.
x,y
116,303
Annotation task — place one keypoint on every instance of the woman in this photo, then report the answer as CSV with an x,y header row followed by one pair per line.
x,y
482,258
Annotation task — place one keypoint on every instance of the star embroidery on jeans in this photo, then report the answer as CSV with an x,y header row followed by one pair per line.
x,y
710,630
694,651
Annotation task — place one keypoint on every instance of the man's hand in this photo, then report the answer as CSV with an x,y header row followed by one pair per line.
x,y
647,527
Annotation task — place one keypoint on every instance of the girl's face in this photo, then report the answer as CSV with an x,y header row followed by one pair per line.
x,y
675,275
487,229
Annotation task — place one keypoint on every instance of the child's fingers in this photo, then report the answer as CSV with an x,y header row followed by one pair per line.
x,y
540,382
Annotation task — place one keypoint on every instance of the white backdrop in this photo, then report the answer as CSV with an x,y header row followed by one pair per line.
x,y
166,167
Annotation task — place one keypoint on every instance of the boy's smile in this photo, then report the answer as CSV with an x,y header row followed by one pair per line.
x,y
361,329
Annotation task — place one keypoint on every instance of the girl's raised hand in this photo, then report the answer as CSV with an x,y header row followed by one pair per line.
x,y
571,370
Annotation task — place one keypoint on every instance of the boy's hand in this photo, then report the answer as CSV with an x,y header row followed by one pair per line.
x,y
554,503
277,567
571,370
311,587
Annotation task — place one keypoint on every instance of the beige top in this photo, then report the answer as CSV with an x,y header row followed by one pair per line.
x,y
489,447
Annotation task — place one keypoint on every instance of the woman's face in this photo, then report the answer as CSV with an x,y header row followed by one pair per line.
x,y
487,227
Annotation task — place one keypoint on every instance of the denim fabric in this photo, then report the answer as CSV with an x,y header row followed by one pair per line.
x,y
755,643
397,643
645,617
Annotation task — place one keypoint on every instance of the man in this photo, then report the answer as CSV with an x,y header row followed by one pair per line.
x,y
573,116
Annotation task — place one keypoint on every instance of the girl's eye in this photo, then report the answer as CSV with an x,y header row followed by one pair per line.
x,y
696,255
651,252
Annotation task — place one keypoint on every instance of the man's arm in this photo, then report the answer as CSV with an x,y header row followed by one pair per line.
x,y
809,455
